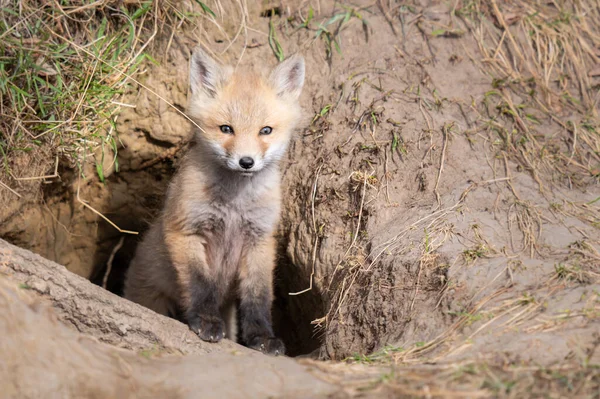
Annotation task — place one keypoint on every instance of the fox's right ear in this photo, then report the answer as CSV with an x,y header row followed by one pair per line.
x,y
205,73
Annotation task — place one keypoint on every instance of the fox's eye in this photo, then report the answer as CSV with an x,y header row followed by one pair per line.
x,y
226,129
266,130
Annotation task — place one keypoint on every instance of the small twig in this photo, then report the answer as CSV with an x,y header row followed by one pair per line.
x,y
123,104
387,17
110,261
426,38
502,22
508,177
85,90
514,113
417,284
10,189
168,153
100,214
387,179
534,174
574,144
55,174
429,126
441,169
499,45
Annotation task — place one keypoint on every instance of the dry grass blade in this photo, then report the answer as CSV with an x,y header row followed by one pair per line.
x,y
53,175
10,189
111,258
88,206
445,132
529,222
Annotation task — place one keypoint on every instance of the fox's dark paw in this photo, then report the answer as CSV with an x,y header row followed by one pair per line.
x,y
208,328
267,345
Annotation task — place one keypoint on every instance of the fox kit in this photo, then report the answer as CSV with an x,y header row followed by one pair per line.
x,y
212,248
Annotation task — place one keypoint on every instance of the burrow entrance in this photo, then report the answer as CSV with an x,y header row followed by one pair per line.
x,y
136,198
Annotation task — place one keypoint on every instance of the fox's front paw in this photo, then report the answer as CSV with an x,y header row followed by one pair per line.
x,y
267,345
208,328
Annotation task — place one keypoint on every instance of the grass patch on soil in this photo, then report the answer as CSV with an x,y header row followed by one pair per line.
x,y
381,374
63,67
482,380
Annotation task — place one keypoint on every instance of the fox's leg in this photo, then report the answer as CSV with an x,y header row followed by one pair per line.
x,y
139,289
149,279
256,298
200,295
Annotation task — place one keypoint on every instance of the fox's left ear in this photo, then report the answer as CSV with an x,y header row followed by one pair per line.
x,y
288,77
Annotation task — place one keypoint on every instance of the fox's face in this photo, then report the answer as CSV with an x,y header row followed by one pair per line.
x,y
246,119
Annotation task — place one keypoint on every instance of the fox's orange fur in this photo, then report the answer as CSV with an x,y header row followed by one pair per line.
x,y
213,246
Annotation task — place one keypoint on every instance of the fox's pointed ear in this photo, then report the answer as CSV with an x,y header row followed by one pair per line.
x,y
288,77
205,73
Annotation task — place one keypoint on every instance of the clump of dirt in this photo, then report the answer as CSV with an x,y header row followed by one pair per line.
x,y
423,209
36,347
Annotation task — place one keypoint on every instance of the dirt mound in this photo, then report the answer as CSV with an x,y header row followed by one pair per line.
x,y
64,363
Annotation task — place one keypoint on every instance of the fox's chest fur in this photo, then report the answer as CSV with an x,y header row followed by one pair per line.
x,y
229,216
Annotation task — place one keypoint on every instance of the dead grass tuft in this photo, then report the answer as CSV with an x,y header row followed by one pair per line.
x,y
582,265
528,220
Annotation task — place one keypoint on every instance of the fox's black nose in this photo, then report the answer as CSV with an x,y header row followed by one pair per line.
x,y
246,162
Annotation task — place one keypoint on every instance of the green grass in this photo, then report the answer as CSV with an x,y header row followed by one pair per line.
x,y
62,67
53,90
322,113
479,379
472,254
274,42
329,30
569,272
382,355
471,318
150,352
